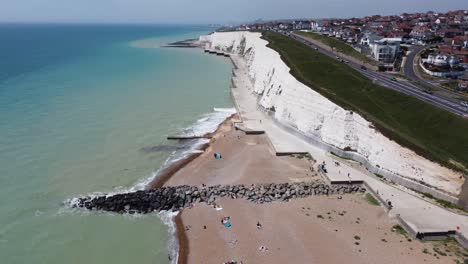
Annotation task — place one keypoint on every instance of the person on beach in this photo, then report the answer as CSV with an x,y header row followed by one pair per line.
x,y
262,248
226,221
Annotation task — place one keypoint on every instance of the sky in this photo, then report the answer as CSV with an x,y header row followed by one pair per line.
x,y
207,11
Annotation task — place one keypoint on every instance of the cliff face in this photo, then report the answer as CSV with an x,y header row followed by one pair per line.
x,y
299,106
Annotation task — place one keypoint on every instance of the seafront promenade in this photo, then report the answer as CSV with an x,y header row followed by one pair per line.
x,y
419,216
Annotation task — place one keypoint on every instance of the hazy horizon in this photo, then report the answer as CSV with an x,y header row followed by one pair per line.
x,y
205,11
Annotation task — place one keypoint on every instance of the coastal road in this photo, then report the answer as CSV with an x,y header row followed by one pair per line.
x,y
390,82
412,74
410,63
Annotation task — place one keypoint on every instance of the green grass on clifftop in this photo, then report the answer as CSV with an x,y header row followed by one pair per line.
x,y
338,45
430,131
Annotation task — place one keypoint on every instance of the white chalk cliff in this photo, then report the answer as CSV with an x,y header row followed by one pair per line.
x,y
312,114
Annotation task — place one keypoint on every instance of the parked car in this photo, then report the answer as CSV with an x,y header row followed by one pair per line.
x,y
428,91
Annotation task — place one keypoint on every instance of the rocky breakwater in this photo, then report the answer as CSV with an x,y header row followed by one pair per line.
x,y
178,197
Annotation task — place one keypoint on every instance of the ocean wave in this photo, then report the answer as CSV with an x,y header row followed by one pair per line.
x,y
173,245
208,123
230,110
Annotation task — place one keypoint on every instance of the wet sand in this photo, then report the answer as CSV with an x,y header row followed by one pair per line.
x,y
316,229
182,239
161,179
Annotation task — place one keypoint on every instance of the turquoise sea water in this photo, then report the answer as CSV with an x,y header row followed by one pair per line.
x,y
78,103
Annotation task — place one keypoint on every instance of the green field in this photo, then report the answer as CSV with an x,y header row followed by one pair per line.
x,y
338,45
430,131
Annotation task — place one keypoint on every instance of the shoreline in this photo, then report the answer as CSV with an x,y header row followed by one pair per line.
x,y
299,231
182,240
165,175
203,215
181,234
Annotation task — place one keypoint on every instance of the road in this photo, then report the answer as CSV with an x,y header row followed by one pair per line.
x,y
408,67
410,72
402,86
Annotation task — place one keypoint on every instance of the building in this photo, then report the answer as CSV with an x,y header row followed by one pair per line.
x,y
421,32
369,38
462,85
442,60
320,26
385,50
301,25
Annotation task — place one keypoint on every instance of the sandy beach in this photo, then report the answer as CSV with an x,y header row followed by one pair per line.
x,y
333,229
326,229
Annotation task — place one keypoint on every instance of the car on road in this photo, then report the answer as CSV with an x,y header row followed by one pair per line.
x,y
465,104
428,91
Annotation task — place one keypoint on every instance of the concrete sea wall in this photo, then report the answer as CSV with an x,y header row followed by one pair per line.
x,y
304,110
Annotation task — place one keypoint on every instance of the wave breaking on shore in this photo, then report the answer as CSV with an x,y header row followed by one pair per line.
x,y
185,151
191,148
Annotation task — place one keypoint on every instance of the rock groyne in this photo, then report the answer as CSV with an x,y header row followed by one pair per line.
x,y
178,197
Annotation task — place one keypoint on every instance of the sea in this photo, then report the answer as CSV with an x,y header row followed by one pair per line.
x,y
85,110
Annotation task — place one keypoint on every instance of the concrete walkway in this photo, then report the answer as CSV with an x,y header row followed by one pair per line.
x,y
415,214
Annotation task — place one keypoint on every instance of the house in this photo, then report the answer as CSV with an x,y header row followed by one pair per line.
x,y
385,50
421,32
442,60
449,32
320,26
369,38
441,20
462,85
301,25
460,41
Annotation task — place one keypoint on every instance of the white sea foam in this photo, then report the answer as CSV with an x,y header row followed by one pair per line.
x,y
206,124
209,122
173,245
